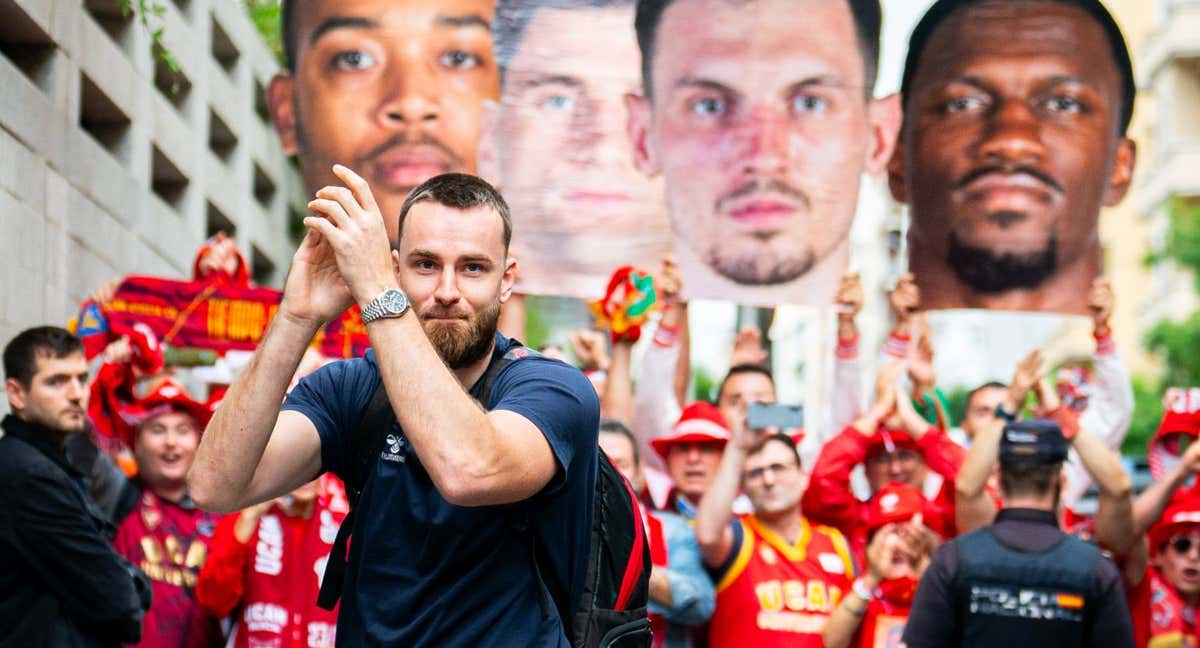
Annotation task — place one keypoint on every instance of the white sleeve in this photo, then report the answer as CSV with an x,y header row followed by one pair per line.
x,y
655,408
1109,411
846,399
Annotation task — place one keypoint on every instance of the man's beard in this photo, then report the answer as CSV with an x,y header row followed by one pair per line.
x,y
459,351
989,272
768,267
763,269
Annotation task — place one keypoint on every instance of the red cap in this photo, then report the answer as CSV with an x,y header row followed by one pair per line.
x,y
895,502
700,422
1182,515
169,393
889,441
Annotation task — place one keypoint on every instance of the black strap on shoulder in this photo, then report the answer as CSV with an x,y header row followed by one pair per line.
x,y
366,442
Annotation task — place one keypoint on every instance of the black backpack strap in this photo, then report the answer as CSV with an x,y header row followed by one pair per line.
x,y
366,442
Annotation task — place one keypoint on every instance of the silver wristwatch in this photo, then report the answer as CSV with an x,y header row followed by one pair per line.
x,y
389,303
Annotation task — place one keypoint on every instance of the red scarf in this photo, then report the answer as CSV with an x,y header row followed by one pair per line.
x,y
1172,622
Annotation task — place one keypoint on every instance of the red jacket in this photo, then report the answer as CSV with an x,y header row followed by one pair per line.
x,y
830,501
272,580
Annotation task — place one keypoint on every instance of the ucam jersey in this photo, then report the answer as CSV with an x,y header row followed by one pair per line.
x,y
778,594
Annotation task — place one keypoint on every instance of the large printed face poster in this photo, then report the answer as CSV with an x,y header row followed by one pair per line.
x,y
561,154
1013,140
753,119
754,124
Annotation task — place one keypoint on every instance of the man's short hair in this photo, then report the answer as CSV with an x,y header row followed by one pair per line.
x,y
614,426
991,384
779,437
868,19
458,191
1024,479
738,370
287,20
943,9
513,18
21,353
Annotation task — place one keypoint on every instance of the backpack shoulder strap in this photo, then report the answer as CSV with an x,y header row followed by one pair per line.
x,y
515,352
362,451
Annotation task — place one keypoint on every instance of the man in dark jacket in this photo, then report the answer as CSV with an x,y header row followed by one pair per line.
x,y
61,583
1021,576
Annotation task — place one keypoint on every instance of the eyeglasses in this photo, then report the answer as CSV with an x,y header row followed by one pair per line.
x,y
1183,544
755,474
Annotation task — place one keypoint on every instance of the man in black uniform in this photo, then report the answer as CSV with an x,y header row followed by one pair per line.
x,y
1022,577
61,583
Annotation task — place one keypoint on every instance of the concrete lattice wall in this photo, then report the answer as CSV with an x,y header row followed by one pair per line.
x,y
111,164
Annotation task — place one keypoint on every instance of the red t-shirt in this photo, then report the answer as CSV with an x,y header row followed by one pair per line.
x,y
170,543
779,594
270,583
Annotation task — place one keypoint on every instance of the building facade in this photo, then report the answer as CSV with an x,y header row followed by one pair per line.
x,y
112,162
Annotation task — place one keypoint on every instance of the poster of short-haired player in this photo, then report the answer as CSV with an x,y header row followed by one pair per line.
x,y
556,144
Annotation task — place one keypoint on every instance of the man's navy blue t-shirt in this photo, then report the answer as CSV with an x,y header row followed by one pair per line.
x,y
424,572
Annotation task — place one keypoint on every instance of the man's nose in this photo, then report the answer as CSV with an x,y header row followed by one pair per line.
x,y
411,90
447,292
763,142
1013,136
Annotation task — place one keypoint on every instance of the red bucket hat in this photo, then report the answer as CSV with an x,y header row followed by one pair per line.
x,y
168,394
1182,514
895,502
700,422
889,441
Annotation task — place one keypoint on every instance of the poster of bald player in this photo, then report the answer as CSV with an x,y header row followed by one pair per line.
x,y
1013,140
557,146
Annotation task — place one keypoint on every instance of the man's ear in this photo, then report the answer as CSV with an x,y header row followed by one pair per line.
x,y
509,278
1124,161
281,105
897,173
488,160
884,116
16,394
396,261
639,113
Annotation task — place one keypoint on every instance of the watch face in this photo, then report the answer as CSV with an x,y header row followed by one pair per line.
x,y
394,301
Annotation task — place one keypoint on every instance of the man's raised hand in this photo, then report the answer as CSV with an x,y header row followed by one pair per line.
x,y
1100,303
849,298
1028,373
350,224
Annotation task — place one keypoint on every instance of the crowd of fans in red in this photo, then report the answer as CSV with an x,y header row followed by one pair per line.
x,y
751,545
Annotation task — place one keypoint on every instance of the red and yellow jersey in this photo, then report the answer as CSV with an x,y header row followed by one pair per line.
x,y
778,594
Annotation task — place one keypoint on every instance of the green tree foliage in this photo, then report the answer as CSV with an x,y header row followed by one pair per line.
x,y
1176,342
267,19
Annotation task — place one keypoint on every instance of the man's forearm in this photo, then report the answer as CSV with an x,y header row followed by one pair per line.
x,y
236,436
617,399
980,460
716,507
457,443
1150,504
660,587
